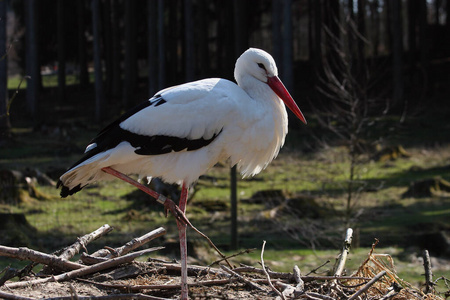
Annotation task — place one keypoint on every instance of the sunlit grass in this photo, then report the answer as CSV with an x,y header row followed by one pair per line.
x,y
47,81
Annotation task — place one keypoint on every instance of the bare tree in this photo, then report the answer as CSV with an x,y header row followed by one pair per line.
x,y
352,103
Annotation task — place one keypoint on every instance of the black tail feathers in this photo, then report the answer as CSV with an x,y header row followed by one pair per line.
x,y
65,191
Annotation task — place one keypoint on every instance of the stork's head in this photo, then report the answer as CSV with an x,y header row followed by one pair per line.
x,y
260,65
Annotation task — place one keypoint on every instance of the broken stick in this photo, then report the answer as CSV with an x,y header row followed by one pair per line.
x,y
24,253
343,256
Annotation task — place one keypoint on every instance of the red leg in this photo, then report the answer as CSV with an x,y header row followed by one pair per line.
x,y
183,243
168,203
178,212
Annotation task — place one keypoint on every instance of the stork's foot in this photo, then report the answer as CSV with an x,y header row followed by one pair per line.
x,y
181,218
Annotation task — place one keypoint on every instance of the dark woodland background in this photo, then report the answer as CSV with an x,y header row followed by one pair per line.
x,y
400,49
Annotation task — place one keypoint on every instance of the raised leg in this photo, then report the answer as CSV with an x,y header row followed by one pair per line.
x,y
183,243
169,205
177,211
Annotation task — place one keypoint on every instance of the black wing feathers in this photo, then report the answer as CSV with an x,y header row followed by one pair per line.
x,y
113,134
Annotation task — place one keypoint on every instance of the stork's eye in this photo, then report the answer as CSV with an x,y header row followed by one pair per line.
x,y
262,66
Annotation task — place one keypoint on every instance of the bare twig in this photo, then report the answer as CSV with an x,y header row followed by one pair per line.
x,y
191,269
267,274
246,251
8,105
209,242
24,253
314,270
243,279
86,270
368,285
250,269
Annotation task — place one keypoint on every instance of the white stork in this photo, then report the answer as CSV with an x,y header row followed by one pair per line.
x,y
184,130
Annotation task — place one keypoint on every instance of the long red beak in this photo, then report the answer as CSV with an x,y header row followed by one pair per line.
x,y
278,87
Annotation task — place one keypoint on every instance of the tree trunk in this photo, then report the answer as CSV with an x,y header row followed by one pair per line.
x,y
61,51
331,21
130,53
389,38
189,41
361,25
32,61
99,98
240,28
423,40
240,45
116,50
276,30
315,36
161,46
375,17
397,51
437,5
152,47
107,46
412,23
4,118
173,63
82,61
202,39
287,64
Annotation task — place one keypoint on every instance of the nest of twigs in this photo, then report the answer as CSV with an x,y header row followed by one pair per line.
x,y
114,274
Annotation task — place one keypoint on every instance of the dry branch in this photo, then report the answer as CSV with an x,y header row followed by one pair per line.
x,y
24,253
131,245
250,269
81,243
5,295
86,270
243,279
140,287
198,270
368,285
